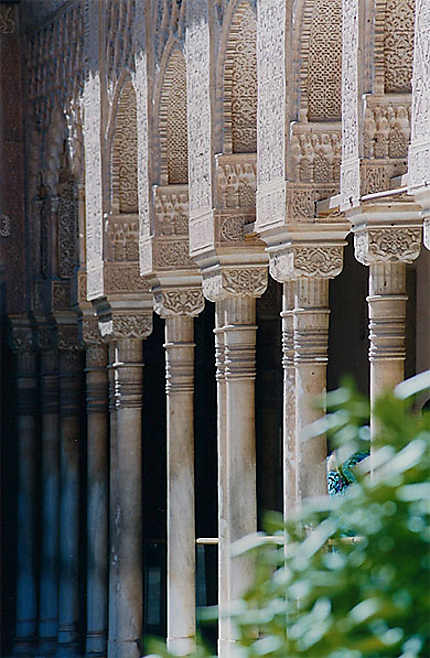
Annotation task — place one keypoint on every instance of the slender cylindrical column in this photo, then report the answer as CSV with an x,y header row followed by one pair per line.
x,y
223,531
238,513
97,498
126,610
50,439
26,601
70,456
181,596
387,317
311,320
289,401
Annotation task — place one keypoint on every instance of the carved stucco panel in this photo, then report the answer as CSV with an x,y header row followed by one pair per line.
x,y
350,168
419,153
271,112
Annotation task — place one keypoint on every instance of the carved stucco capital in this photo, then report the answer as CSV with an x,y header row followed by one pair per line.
x,y
118,325
21,339
387,244
235,282
297,261
178,301
68,338
90,330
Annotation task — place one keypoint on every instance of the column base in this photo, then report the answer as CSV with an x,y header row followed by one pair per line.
x,y
96,645
124,649
23,648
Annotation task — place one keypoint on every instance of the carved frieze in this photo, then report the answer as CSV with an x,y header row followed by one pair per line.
x,y
236,181
171,210
179,301
295,262
387,244
315,156
123,238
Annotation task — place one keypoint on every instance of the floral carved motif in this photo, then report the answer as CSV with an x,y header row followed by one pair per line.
x,y
127,325
387,244
124,160
240,282
119,278
296,262
90,330
173,253
188,301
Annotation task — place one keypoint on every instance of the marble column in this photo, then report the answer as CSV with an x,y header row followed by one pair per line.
x,y
290,494
238,511
126,566
50,483
223,531
387,327
311,320
70,372
97,497
386,250
181,594
22,343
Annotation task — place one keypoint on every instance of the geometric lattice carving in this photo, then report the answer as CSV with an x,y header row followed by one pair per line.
x,y
124,156
398,44
325,61
240,83
173,122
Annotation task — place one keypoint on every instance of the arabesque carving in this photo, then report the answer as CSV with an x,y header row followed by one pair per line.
x,y
180,301
398,45
237,282
387,244
315,261
126,325
124,155
173,122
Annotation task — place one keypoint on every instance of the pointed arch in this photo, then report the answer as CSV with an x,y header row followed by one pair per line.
x,y
240,83
124,154
398,45
173,122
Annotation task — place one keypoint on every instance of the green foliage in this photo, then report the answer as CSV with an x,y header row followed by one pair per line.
x,y
327,596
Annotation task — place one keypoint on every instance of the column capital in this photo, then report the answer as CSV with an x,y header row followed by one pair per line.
x,y
90,330
117,322
306,260
387,244
178,300
244,280
21,338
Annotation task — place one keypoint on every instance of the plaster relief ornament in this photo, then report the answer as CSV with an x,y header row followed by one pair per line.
x,y
238,282
296,262
189,301
387,245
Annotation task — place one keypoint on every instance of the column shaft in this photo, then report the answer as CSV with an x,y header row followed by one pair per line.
x,y
70,456
387,317
97,499
311,320
125,611
238,513
50,439
289,401
181,596
223,563
26,603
